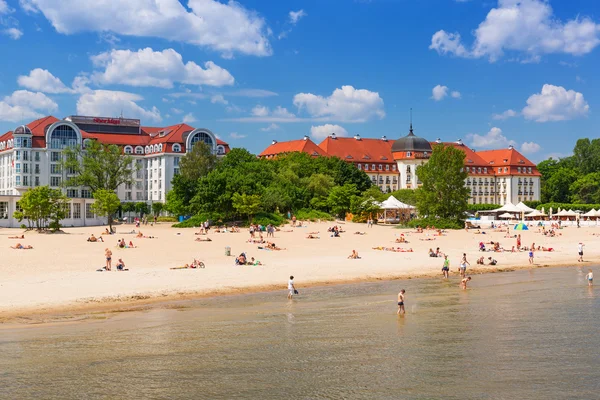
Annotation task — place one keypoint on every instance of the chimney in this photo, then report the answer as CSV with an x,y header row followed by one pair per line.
x,y
332,135
305,138
438,140
459,142
511,147
384,138
274,141
357,136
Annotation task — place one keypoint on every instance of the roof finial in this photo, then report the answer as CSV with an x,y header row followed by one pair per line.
x,y
411,129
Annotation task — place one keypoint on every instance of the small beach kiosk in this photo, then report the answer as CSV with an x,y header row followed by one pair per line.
x,y
393,211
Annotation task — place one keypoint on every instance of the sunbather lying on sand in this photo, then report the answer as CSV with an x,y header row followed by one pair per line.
x,y
396,249
311,236
204,239
20,237
360,233
140,235
19,246
194,264
401,239
354,255
427,239
94,239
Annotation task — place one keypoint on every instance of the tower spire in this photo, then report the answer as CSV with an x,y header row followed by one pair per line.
x,y
411,128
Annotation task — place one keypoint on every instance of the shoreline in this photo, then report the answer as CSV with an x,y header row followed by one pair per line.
x,y
87,309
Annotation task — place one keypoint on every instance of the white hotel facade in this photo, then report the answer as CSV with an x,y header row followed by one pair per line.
x,y
30,156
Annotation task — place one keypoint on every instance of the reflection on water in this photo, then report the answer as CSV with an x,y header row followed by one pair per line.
x,y
517,335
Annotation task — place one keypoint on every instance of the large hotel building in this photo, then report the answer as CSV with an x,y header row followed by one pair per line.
x,y
495,176
30,156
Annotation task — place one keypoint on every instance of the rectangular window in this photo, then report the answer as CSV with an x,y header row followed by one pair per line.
x,y
17,155
18,168
17,180
139,185
127,195
55,169
25,180
372,167
176,161
37,181
139,196
25,168
139,174
55,181
37,168
76,211
394,167
485,170
68,211
25,156
359,166
380,167
72,193
55,156
37,156
500,170
88,211
86,194
387,167
3,209
175,171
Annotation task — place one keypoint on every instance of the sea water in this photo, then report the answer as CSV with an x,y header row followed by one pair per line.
x,y
518,335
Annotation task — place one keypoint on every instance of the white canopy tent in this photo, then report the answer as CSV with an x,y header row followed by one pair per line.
x,y
523,207
506,215
591,213
535,214
392,203
508,208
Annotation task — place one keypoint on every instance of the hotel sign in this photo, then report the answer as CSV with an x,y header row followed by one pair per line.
x,y
79,119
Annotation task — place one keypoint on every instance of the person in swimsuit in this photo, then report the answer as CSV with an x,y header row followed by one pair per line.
x,y
401,302
120,265
590,278
463,283
446,267
108,255
531,256
463,265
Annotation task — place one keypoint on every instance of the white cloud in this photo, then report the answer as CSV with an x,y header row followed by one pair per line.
x,y
493,139
147,67
265,114
322,131
345,104
189,118
23,105
505,115
176,110
113,103
522,26
260,111
42,80
4,8
530,148
272,127
235,135
252,93
439,92
218,99
226,27
555,103
13,33
280,112
295,16
456,94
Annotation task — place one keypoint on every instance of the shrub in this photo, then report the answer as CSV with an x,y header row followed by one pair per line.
x,y
263,218
313,215
472,208
167,219
439,223
198,220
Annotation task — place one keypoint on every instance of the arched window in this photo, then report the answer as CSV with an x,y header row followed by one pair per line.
x,y
148,149
139,150
160,147
202,137
128,150
63,136
176,148
155,149
220,150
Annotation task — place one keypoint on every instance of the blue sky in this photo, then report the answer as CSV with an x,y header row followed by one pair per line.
x,y
492,73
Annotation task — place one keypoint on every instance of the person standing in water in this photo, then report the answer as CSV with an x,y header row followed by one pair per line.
x,y
291,288
401,302
463,283
446,267
463,265
590,278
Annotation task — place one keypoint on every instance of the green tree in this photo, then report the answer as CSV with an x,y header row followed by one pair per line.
x,y
128,207
198,162
43,207
98,167
340,199
586,190
558,188
141,208
106,205
157,208
247,205
443,193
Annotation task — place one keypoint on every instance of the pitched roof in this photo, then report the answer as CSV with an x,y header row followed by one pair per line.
x,y
472,158
303,145
359,150
513,158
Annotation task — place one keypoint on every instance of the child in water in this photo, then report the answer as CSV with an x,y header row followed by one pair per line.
x,y
590,278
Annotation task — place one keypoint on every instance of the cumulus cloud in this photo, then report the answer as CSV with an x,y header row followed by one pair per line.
x,y
522,26
505,115
226,27
23,104
147,67
272,127
13,33
176,110
530,148
218,99
260,111
493,139
189,118
113,103
235,135
295,16
439,92
455,94
4,8
42,80
555,103
345,104
320,132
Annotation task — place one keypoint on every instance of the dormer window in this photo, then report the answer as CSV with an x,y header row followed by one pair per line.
x,y
485,170
176,148
380,167
408,154
128,150
366,167
358,166
139,150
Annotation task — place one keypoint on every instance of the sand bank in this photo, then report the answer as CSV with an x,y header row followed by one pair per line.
x,y
59,274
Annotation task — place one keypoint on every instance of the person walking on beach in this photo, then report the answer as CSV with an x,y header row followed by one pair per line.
x,y
531,256
463,283
580,251
590,278
291,288
446,267
401,302
463,265
519,242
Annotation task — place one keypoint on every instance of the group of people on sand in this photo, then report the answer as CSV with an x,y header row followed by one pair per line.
x,y
122,245
393,249
270,246
335,231
242,259
436,253
120,264
354,255
491,261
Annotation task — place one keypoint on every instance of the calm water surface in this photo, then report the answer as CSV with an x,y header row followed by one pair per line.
x,y
519,335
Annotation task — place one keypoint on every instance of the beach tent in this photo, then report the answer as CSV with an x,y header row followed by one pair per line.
x,y
521,206
509,208
392,203
506,215
521,227
535,214
591,213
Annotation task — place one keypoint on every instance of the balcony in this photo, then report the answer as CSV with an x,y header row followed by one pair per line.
x,y
468,183
520,193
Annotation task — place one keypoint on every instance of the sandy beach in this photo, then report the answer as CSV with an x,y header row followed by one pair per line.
x,y
60,272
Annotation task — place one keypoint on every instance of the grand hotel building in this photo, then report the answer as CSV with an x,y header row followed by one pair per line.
x,y
30,156
495,176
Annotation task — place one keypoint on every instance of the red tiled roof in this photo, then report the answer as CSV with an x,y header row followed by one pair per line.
x,y
359,150
513,157
303,145
472,158
38,127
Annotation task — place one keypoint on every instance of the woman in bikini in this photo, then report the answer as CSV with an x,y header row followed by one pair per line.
x,y
17,237
108,255
19,246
